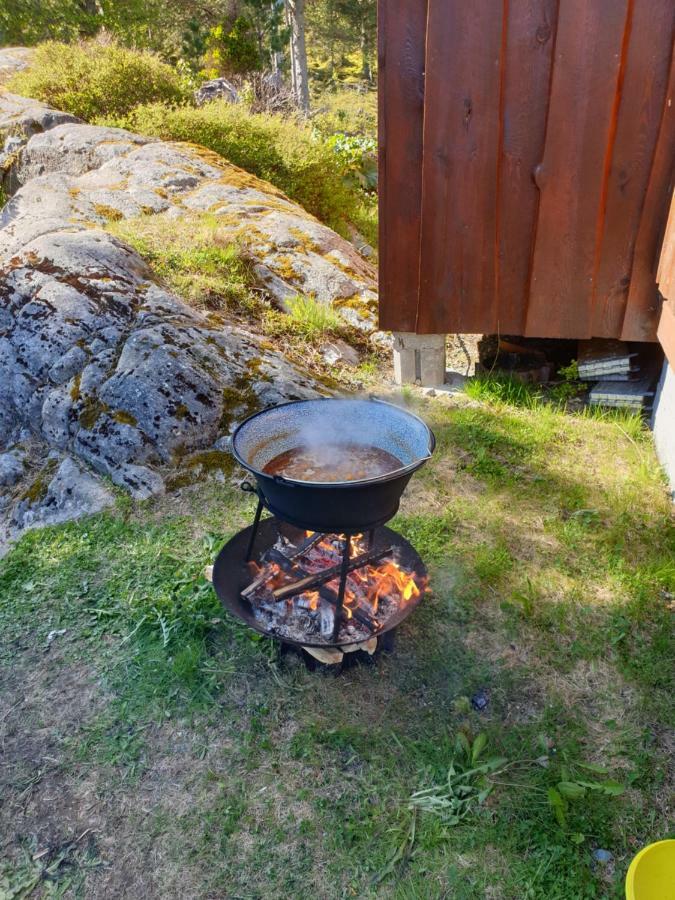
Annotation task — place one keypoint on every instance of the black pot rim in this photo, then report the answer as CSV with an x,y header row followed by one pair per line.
x,y
379,479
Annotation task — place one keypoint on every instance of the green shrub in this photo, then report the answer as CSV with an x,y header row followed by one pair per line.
x,y
358,155
283,151
346,111
93,79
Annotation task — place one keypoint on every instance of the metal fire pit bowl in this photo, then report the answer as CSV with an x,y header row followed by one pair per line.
x,y
231,575
343,507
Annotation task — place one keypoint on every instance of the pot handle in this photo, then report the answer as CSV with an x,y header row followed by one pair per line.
x,y
249,488
279,479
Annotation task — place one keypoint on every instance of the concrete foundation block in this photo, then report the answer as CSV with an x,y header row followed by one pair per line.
x,y
419,358
663,423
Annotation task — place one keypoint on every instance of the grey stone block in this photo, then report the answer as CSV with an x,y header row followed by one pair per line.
x,y
419,358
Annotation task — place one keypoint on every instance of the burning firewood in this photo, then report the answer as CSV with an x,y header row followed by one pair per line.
x,y
311,581
296,592
284,559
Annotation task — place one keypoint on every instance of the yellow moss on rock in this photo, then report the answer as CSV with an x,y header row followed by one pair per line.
x,y
124,417
92,410
283,266
357,303
108,212
271,206
75,388
233,175
305,242
37,490
196,465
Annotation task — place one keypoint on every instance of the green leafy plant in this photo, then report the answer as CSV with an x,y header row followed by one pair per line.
x,y
571,372
527,598
468,785
575,785
570,386
472,778
95,79
358,156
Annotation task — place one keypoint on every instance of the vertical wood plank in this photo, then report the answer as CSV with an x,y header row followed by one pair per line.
x,y
572,175
643,89
665,276
401,43
459,179
532,185
666,281
642,309
527,61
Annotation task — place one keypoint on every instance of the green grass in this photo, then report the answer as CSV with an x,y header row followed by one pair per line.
x,y
313,317
504,389
216,767
196,258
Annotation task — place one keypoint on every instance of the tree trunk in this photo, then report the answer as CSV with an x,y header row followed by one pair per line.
x,y
366,73
295,14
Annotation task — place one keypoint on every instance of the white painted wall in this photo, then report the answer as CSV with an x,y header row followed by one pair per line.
x,y
663,423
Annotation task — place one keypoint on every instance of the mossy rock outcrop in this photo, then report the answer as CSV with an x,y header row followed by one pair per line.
x,y
99,362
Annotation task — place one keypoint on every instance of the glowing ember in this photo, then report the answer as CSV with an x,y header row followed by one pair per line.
x,y
375,591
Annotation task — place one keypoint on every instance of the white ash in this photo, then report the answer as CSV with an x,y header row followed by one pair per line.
x,y
304,617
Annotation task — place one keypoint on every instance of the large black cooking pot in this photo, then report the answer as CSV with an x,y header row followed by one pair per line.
x,y
336,507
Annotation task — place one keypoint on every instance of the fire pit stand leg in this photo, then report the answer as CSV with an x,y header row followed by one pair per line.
x,y
343,584
254,533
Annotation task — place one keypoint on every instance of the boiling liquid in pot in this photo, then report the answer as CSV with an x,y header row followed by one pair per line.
x,y
333,462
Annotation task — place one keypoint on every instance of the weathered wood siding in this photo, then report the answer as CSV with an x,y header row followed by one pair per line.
x,y
527,151
666,281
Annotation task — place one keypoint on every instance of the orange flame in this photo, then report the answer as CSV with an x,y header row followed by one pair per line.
x,y
366,587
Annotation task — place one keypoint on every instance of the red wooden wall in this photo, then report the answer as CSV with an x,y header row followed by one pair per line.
x,y
527,153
